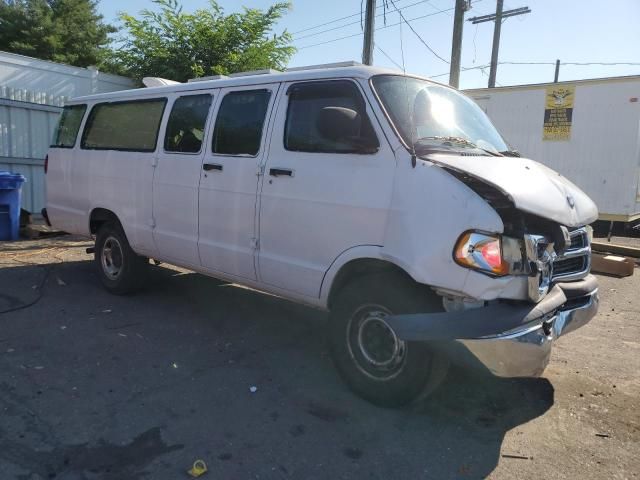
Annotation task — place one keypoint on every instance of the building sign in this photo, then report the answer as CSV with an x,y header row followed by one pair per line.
x,y
558,112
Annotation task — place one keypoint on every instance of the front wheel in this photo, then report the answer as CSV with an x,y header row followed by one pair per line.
x,y
120,269
374,362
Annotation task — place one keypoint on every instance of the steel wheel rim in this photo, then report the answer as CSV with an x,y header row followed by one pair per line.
x,y
111,258
373,345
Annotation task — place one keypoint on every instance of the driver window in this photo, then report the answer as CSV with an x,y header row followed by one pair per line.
x,y
306,125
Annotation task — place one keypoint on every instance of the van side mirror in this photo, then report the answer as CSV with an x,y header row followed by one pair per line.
x,y
344,125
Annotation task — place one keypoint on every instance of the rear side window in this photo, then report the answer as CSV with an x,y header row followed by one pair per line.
x,y
238,129
185,127
306,103
68,126
130,126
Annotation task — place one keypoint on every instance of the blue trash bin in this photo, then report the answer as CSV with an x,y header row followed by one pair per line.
x,y
10,193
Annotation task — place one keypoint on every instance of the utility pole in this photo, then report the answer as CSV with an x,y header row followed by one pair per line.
x,y
497,26
456,42
369,26
557,74
497,18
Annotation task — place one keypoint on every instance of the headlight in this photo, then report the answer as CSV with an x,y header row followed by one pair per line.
x,y
490,253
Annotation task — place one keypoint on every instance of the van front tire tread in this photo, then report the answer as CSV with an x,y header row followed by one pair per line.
x,y
423,369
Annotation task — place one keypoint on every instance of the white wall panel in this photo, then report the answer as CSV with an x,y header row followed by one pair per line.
x,y
31,94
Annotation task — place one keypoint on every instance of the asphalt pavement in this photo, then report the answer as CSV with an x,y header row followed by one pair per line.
x,y
96,386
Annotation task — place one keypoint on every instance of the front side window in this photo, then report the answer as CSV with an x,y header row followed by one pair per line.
x,y
68,126
428,115
185,127
130,126
328,117
240,121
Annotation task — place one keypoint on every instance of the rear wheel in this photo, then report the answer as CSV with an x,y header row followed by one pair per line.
x,y
120,269
374,362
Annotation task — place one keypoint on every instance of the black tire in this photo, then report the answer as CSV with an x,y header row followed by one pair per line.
x,y
120,269
374,363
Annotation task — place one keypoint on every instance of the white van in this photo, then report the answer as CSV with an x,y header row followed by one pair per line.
x,y
389,200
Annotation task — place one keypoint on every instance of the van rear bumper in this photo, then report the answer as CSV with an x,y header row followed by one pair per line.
x,y
506,340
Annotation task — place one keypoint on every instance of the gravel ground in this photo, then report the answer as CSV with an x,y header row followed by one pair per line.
x,y
94,386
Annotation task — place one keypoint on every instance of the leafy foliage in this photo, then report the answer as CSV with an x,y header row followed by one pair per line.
x,y
172,44
66,31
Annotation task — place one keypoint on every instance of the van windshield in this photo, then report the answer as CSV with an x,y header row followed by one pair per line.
x,y
431,116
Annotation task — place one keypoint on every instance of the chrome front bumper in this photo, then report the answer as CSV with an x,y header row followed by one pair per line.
x,y
506,340
524,352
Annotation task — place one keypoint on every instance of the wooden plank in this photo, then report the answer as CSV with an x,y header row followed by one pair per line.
x,y
623,250
612,265
33,231
610,217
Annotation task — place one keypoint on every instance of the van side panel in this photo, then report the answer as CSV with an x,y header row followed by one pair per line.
x,y
80,180
121,182
64,194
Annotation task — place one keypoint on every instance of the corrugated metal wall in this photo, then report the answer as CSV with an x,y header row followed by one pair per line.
x,y
32,93
25,134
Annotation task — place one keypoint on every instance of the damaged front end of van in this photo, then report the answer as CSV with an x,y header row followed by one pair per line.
x,y
544,246
515,235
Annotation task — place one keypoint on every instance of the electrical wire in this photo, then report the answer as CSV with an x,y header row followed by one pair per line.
x,y
480,67
388,56
15,257
355,22
417,34
39,289
377,29
573,63
337,19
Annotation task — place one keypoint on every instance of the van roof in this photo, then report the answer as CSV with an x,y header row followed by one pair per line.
x,y
296,74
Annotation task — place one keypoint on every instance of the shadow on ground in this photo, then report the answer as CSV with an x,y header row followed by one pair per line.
x,y
133,387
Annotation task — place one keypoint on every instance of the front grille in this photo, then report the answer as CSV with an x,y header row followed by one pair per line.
x,y
575,262
568,265
579,239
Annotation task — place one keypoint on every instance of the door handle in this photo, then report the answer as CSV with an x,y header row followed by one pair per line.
x,y
277,172
211,166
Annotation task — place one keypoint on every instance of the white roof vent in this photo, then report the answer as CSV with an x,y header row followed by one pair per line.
x,y
349,63
157,82
266,71
205,79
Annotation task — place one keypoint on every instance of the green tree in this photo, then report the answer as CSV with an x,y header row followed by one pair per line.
x,y
172,44
66,31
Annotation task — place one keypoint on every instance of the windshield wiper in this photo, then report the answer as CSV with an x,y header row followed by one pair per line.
x,y
511,153
459,141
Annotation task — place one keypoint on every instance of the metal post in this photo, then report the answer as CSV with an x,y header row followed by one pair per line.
x,y
456,43
369,26
557,74
496,43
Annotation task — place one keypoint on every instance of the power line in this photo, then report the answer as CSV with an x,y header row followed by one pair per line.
x,y
388,57
379,28
573,63
480,67
477,67
418,35
356,22
357,14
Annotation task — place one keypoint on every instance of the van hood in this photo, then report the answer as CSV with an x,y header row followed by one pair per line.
x,y
531,186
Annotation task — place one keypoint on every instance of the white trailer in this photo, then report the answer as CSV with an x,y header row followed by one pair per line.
x,y
588,130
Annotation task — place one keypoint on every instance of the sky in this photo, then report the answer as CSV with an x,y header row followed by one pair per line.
x,y
577,31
